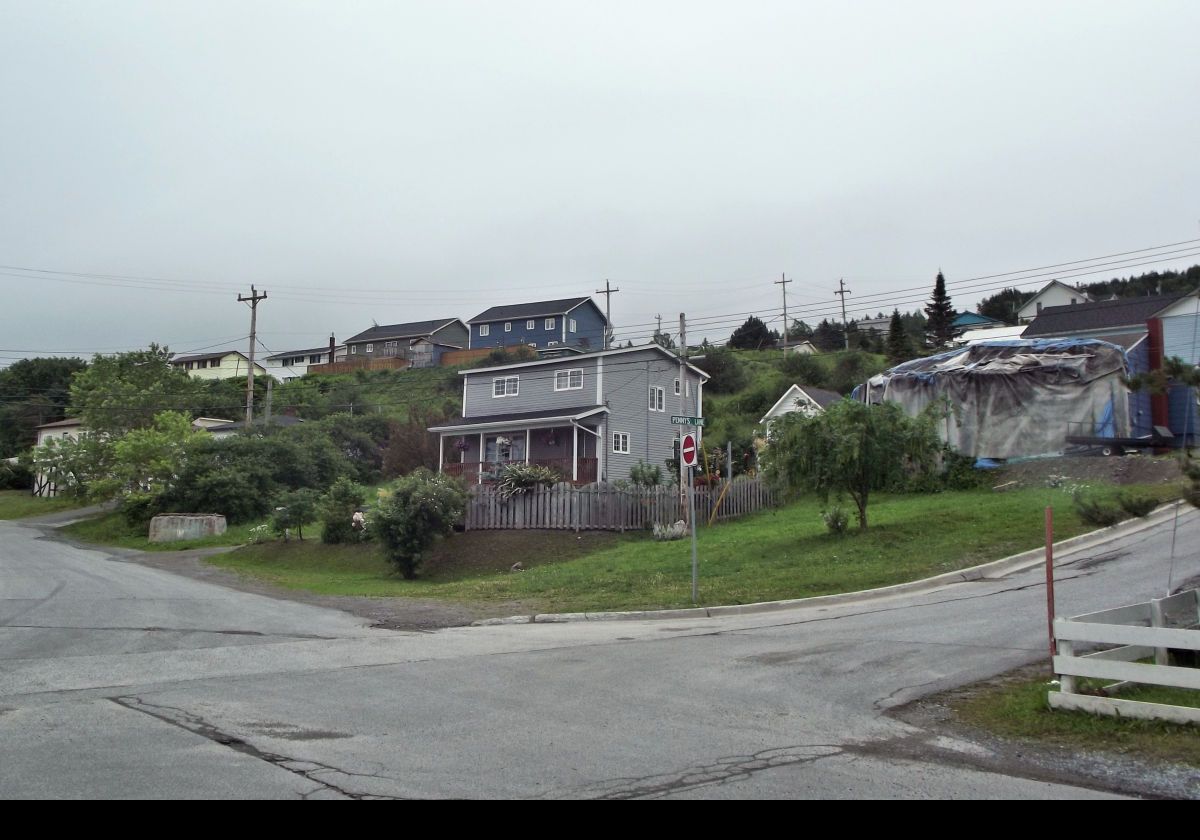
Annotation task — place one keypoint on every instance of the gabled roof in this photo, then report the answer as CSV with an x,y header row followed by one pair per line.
x,y
286,354
540,309
70,421
973,319
1105,315
390,332
204,357
820,396
1082,294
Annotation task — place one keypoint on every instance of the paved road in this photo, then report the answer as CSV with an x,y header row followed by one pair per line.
x,y
118,680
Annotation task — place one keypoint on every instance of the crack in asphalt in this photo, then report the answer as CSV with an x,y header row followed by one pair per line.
x,y
255,633
879,706
305,768
36,602
722,771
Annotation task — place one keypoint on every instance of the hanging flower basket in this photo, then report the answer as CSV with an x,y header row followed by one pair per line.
x,y
461,445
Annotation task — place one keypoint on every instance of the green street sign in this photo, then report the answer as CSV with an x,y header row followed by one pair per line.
x,y
680,420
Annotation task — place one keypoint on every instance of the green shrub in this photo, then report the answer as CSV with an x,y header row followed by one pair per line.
x,y
836,520
803,369
726,372
1137,504
415,511
1096,512
646,475
15,477
516,479
336,512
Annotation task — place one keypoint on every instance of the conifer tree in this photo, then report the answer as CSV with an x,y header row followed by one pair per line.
x,y
940,315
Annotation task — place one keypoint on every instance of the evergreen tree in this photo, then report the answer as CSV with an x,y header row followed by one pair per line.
x,y
899,348
752,335
828,337
939,314
1004,304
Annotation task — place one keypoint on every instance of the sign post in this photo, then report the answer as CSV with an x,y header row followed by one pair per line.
x,y
687,456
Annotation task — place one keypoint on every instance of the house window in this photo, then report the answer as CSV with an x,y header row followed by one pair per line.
x,y
484,329
508,326
574,325
370,347
354,349
658,398
621,443
314,360
549,323
531,324
568,380
506,386
677,387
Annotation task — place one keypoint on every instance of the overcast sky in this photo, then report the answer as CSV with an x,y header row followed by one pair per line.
x,y
399,161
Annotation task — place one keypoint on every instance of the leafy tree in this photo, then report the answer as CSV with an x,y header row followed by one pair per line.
x,y
33,392
124,391
414,512
146,464
72,464
899,348
829,337
337,509
293,510
940,315
799,331
1004,304
663,339
752,335
725,371
803,369
852,448
411,444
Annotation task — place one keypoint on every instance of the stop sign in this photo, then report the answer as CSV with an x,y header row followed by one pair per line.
x,y
688,450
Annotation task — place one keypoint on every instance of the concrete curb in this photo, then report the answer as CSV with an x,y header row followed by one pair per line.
x,y
992,569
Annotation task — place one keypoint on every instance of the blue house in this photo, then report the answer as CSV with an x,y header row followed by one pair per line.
x,y
547,326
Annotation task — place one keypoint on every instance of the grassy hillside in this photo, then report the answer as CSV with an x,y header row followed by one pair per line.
x,y
387,392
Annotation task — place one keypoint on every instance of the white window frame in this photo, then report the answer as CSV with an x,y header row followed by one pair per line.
x,y
658,398
550,323
571,375
508,326
370,348
509,386
677,387
574,325
484,330
531,324
354,349
618,439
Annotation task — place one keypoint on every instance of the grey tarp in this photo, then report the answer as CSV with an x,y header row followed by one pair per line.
x,y
1014,398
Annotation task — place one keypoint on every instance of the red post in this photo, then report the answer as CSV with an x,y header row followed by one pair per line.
x,y
1050,582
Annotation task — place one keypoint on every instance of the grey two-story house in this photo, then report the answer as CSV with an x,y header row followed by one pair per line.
x,y
590,417
546,325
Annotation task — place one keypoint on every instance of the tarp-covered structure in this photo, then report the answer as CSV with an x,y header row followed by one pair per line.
x,y
1014,398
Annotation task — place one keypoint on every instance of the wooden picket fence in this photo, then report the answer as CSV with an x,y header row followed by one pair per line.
x,y
607,508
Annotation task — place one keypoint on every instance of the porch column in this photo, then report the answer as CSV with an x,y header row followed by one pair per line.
x,y
479,472
441,450
574,452
527,434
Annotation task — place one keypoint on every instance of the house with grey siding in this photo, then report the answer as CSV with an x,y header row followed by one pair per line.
x,y
421,342
548,326
590,417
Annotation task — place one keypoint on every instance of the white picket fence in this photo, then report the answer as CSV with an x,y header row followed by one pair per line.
x,y
608,508
1141,631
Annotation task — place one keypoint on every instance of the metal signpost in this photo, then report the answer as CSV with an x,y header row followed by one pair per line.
x,y
687,456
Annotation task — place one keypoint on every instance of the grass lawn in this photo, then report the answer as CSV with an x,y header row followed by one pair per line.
x,y
112,529
18,504
784,553
1015,707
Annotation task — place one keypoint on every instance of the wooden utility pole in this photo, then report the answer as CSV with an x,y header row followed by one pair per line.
x,y
783,281
843,291
253,300
608,291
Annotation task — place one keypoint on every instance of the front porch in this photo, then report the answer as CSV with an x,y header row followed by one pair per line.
x,y
572,451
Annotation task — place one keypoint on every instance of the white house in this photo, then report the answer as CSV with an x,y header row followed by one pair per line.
x,y
1054,293
807,400
292,364
222,365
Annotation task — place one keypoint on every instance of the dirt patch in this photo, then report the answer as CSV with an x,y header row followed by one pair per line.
x,y
1044,760
475,552
1090,469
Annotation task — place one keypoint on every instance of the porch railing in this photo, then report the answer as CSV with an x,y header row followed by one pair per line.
x,y
470,471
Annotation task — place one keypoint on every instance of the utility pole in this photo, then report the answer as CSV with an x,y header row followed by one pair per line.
x,y
843,291
608,291
683,348
253,300
783,281
267,414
